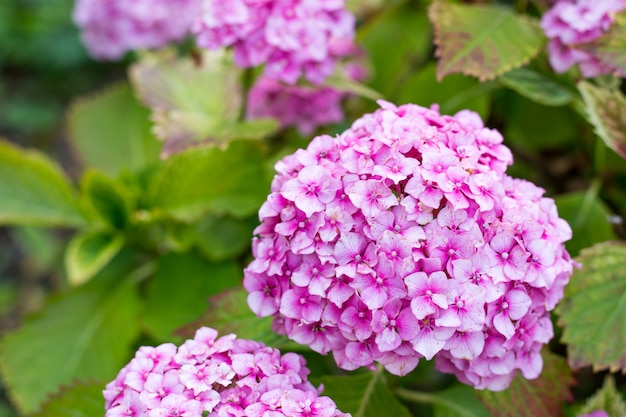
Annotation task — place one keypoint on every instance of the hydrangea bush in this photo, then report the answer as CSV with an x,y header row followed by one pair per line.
x,y
400,250
403,238
215,376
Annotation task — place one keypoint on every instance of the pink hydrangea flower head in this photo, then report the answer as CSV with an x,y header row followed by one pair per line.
x,y
403,238
215,376
570,23
293,38
110,28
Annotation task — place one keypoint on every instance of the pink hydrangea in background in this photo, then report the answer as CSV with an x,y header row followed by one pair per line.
x,y
598,413
110,28
570,23
305,107
291,37
403,238
223,376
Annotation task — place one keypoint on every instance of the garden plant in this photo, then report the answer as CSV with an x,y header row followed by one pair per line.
x,y
312,208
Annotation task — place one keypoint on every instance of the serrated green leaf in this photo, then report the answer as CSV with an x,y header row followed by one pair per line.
x,y
112,202
536,87
89,252
34,190
452,94
209,179
78,400
228,312
483,41
110,131
183,284
588,217
364,395
84,333
220,237
606,398
593,308
606,111
541,397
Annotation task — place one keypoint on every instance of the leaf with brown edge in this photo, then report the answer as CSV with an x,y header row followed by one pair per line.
x,y
541,397
606,111
482,41
81,399
593,309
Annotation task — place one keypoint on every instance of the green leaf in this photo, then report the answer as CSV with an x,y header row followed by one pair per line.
x,y
536,87
610,48
180,289
452,94
541,397
84,333
228,312
89,252
342,83
41,247
209,179
608,399
364,395
483,41
112,202
34,190
110,131
78,400
588,218
593,308
220,237
606,111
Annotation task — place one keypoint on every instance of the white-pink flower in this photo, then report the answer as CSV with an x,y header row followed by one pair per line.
x,y
215,376
403,238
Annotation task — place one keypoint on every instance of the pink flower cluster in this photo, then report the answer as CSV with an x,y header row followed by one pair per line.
x,y
598,413
291,37
305,107
217,377
403,238
570,23
113,27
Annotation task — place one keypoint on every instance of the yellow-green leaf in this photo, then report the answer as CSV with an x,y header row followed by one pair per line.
x,y
89,252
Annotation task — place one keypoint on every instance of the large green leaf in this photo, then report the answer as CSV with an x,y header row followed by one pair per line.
x,y
179,292
89,252
209,179
541,397
589,218
34,190
606,110
85,333
228,312
110,131
483,41
364,395
452,94
459,401
78,400
222,237
593,309
537,87
606,398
